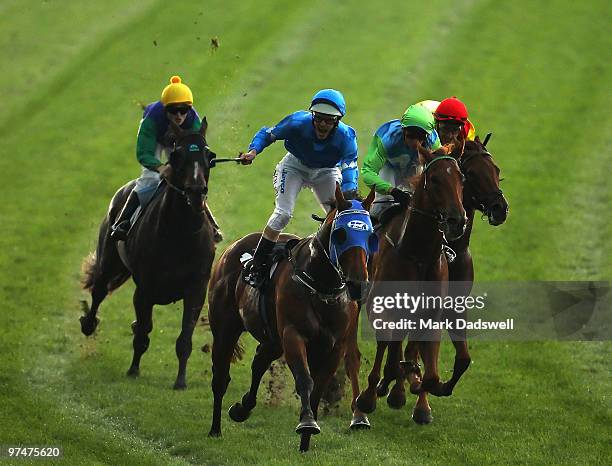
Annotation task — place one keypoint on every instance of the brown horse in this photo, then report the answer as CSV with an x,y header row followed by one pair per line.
x,y
412,251
481,192
169,251
310,313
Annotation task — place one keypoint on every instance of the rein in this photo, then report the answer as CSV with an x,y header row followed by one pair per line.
x,y
330,296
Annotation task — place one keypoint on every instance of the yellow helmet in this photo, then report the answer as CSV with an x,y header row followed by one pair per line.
x,y
176,93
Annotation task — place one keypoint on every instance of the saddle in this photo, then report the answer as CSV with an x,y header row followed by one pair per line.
x,y
161,188
386,216
281,251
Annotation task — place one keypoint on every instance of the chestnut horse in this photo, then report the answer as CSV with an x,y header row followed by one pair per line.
x,y
412,251
310,313
481,192
169,251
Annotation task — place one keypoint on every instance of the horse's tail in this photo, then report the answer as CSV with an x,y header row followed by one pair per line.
x,y
238,352
89,271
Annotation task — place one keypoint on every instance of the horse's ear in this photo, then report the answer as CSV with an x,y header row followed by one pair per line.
x,y
341,202
204,127
486,139
176,129
367,202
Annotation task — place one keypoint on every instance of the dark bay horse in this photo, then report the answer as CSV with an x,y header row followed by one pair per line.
x,y
481,192
309,308
169,251
411,250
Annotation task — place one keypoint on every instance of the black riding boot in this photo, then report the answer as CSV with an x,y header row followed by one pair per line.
x,y
120,228
255,274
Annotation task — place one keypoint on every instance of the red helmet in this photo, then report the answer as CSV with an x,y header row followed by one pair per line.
x,y
451,109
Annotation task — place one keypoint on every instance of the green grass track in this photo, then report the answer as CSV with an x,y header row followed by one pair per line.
x,y
74,77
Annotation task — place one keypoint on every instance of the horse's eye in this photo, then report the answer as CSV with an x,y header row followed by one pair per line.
x,y
339,236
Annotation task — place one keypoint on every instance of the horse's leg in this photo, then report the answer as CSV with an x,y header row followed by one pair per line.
x,y
352,363
326,367
366,401
397,395
429,351
265,354
421,413
294,348
141,328
192,306
99,272
462,360
224,344
461,272
89,321
324,373
389,373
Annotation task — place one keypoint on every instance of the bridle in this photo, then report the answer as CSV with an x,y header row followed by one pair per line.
x,y
435,214
197,154
484,201
336,293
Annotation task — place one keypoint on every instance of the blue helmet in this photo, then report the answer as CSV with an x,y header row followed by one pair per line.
x,y
329,101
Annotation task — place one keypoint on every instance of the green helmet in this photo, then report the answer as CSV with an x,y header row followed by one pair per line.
x,y
417,115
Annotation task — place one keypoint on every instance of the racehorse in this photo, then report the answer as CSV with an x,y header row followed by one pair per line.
x,y
309,310
481,192
168,253
412,251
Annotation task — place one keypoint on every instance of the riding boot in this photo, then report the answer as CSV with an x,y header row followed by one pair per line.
x,y
217,234
120,228
255,274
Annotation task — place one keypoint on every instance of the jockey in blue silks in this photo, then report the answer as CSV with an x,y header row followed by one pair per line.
x,y
321,151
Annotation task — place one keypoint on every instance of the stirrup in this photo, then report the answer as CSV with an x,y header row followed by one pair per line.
x,y
253,275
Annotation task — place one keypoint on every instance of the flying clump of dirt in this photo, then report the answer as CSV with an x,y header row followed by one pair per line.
x,y
275,385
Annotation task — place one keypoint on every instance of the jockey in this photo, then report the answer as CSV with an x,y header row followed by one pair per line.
x,y
155,141
393,157
322,151
452,120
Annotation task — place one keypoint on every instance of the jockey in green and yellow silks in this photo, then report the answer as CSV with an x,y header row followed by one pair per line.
x,y
154,143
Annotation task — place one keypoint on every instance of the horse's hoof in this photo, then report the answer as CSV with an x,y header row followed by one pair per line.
x,y
180,385
238,413
366,404
308,426
416,388
396,399
359,422
88,325
382,389
422,416
214,433
133,372
447,389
